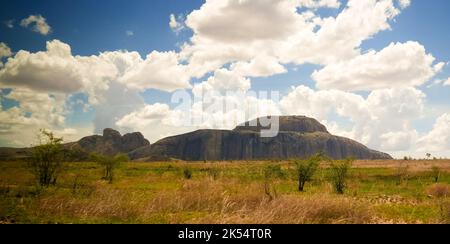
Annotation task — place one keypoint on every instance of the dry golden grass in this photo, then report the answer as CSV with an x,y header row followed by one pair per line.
x,y
439,190
209,202
413,165
297,210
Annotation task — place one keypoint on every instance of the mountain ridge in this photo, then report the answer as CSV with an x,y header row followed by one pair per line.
x,y
298,137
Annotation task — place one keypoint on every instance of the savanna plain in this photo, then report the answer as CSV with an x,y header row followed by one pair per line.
x,y
392,191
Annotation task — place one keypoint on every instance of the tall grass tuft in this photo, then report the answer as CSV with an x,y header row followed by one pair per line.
x,y
436,173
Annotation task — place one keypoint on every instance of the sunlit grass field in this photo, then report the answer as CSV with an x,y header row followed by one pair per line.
x,y
227,192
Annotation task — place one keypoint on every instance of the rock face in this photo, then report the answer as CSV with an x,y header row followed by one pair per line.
x,y
111,143
299,137
299,124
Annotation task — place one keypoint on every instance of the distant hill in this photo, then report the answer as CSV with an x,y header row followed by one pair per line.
x,y
299,137
110,143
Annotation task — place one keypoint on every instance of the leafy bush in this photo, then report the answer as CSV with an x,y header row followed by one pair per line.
x,y
306,170
187,173
109,164
273,171
47,158
339,174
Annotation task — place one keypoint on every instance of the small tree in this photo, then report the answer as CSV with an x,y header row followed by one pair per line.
x,y
306,170
270,172
187,173
428,155
109,164
436,173
47,158
339,174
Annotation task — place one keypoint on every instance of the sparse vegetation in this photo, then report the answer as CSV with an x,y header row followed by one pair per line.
x,y
158,193
402,174
439,190
47,158
442,193
273,171
306,170
339,174
270,173
436,173
187,173
214,172
109,164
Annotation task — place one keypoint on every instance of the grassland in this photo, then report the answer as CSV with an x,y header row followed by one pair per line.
x,y
227,192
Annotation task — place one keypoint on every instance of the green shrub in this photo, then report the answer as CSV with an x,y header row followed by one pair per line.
x,y
47,158
274,171
109,164
339,174
306,169
187,173
436,173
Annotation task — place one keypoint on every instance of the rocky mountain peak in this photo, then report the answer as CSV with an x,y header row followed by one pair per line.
x,y
112,142
298,137
109,133
299,124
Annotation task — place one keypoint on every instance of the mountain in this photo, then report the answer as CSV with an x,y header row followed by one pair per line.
x,y
110,143
299,137
13,154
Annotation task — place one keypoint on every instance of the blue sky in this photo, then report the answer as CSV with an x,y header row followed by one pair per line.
x,y
92,27
95,26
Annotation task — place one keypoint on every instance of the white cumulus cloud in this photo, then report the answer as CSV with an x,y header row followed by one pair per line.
x,y
38,23
52,70
228,31
438,139
404,3
399,64
447,82
222,81
160,70
176,23
381,121
319,3
5,51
